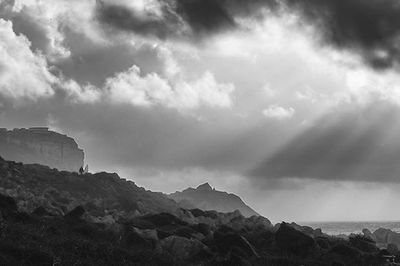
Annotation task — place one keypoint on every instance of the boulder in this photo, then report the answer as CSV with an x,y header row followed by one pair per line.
x,y
200,213
188,232
363,243
148,234
76,213
381,235
307,230
294,241
386,236
228,242
7,205
367,233
204,229
41,212
181,247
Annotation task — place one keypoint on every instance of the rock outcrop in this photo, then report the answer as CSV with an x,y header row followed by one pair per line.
x,y
383,237
41,146
206,198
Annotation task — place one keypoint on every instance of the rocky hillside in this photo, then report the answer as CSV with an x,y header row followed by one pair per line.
x,y
194,238
48,217
41,146
101,194
204,197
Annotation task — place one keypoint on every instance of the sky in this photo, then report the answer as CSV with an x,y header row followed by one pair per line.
x,y
294,105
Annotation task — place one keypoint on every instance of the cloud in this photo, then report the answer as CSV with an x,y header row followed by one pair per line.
x,y
26,75
139,19
369,28
279,112
46,24
81,94
151,89
176,18
23,74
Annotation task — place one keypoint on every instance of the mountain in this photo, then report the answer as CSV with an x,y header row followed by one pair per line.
x,y
205,197
42,146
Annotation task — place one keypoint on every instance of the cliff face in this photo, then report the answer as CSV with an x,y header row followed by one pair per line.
x,y
41,146
206,198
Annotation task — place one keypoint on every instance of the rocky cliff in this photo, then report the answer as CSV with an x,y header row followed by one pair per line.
x,y
205,197
41,146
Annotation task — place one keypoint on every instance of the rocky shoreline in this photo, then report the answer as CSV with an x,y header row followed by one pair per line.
x,y
50,217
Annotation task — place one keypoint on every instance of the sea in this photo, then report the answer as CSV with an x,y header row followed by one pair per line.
x,y
347,228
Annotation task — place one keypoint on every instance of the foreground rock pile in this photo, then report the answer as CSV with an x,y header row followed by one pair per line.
x,y
104,220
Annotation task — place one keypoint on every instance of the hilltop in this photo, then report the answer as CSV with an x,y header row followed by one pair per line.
x,y
204,197
60,191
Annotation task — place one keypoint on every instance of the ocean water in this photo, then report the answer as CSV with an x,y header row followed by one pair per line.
x,y
346,228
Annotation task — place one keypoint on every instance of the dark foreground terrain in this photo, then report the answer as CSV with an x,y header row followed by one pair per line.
x,y
60,218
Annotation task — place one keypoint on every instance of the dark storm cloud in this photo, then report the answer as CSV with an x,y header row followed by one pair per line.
x,y
356,145
203,17
150,25
370,28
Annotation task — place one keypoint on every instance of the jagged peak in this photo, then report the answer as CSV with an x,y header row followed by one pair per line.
x,y
205,187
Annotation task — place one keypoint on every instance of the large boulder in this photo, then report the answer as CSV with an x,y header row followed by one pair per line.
x,y
147,234
386,236
363,243
367,233
294,241
7,205
308,230
181,247
381,235
41,212
230,242
76,213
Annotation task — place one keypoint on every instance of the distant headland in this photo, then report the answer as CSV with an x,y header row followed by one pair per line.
x,y
39,145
